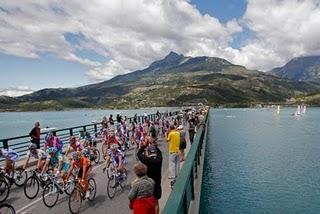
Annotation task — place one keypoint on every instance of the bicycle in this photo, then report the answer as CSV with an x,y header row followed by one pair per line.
x,y
78,195
94,154
6,181
54,188
116,180
7,209
34,182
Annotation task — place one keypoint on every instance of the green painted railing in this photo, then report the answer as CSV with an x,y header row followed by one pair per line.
x,y
184,190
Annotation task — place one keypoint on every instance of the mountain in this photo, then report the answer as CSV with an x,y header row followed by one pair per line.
x,y
300,69
172,81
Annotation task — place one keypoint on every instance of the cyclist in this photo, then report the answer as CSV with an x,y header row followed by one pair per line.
x,y
56,160
38,154
116,156
10,157
81,167
73,145
53,141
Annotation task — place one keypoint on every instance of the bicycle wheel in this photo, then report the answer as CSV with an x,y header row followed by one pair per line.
x,y
31,187
4,190
123,179
20,177
75,201
7,209
96,156
92,188
50,195
112,187
109,170
70,186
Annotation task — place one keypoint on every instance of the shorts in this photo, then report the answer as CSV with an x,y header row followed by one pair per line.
x,y
183,145
81,171
65,167
93,143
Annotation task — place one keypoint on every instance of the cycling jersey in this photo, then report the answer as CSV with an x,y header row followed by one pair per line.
x,y
115,155
39,154
75,146
10,154
54,160
81,163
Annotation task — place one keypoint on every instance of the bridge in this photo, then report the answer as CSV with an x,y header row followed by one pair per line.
x,y
184,198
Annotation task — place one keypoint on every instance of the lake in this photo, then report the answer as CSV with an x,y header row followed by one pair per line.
x,y
20,123
260,162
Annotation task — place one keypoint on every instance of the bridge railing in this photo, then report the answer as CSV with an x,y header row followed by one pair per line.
x,y
20,143
184,188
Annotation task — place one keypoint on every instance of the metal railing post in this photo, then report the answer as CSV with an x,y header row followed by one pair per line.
x,y
95,128
5,144
71,132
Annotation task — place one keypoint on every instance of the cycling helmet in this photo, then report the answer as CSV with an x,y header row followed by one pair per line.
x,y
86,152
72,139
48,136
32,146
113,146
75,156
52,150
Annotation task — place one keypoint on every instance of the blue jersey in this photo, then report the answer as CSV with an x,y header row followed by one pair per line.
x,y
10,154
115,156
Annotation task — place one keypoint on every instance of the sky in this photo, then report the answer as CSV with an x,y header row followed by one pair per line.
x,y
61,43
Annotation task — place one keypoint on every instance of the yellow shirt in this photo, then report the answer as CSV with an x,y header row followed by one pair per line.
x,y
174,141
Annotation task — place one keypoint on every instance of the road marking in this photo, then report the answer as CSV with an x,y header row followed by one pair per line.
x,y
39,199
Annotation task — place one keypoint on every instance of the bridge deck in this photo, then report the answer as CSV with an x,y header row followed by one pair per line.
x,y
101,204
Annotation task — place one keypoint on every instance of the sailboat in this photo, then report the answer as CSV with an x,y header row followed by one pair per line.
x,y
298,112
303,109
278,109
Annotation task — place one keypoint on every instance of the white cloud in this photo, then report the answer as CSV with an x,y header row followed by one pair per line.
x,y
134,33
283,29
15,91
130,33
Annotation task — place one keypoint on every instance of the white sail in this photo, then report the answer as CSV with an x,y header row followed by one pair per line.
x,y
304,109
298,112
278,110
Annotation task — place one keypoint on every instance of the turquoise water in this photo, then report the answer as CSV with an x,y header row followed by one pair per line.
x,y
259,162
20,123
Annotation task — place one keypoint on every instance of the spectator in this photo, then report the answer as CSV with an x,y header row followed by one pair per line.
x,y
111,120
135,119
173,138
35,135
153,131
104,123
183,142
141,196
191,131
151,156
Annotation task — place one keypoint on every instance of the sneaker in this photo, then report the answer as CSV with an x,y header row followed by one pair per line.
x,y
87,195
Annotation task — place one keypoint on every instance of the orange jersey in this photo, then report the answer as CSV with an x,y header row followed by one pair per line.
x,y
82,162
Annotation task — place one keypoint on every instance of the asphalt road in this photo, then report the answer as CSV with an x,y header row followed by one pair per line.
x,y
101,204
